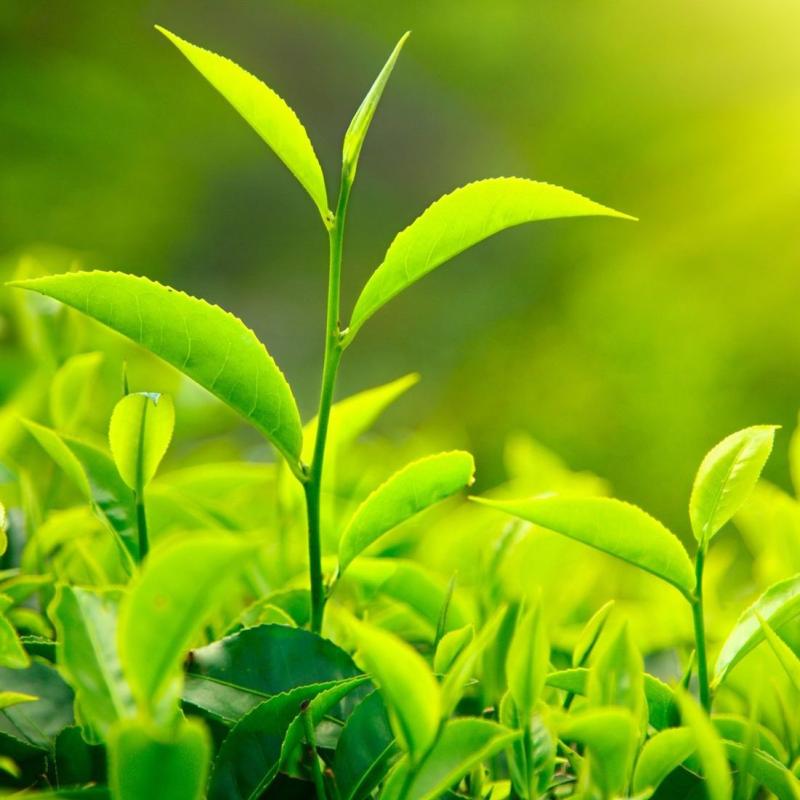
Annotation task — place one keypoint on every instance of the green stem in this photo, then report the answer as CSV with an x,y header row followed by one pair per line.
x,y
330,367
700,631
319,783
141,524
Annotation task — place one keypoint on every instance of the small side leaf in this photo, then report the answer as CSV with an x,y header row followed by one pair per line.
x,y
779,604
458,221
726,477
139,434
590,634
415,487
267,113
785,655
662,754
620,529
527,661
211,346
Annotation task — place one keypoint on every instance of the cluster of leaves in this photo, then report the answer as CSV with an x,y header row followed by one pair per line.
x,y
235,628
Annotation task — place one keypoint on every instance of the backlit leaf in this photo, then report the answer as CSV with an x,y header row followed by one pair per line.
x,y
779,604
450,645
139,434
414,488
590,634
785,655
71,390
150,764
406,683
458,221
527,660
167,605
620,529
726,477
662,754
211,346
268,114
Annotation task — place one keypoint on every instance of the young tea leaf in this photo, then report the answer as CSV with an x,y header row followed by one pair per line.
x,y
359,125
779,604
786,656
590,634
407,685
167,606
86,654
527,661
268,114
211,346
149,764
415,487
71,390
620,529
139,434
458,221
449,647
12,653
662,754
726,477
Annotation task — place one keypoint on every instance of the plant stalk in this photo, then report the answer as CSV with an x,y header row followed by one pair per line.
x,y
141,524
319,783
700,631
330,368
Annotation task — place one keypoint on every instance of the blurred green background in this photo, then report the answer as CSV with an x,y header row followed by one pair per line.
x,y
628,348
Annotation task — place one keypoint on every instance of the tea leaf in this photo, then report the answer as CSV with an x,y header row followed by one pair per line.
x,y
527,661
767,770
458,221
8,699
662,754
12,653
779,604
250,755
463,745
71,390
415,487
139,434
86,654
620,529
609,734
726,477
228,678
166,607
149,764
590,634
365,747
267,113
710,750
211,346
406,684
359,125
449,647
786,656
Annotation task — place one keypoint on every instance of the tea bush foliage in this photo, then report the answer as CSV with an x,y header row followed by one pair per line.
x,y
183,617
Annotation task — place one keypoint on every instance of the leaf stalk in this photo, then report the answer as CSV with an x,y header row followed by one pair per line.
x,y
700,630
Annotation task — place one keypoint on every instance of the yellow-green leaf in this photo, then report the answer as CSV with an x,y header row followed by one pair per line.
x,y
528,660
267,113
785,655
71,390
139,434
458,221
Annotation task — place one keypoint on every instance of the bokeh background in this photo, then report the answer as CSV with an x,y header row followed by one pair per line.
x,y
627,348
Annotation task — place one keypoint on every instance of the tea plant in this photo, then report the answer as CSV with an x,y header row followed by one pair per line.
x,y
161,631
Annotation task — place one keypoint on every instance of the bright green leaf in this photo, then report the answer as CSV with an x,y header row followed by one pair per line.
x,y
662,754
86,654
463,745
406,683
8,699
71,390
620,529
12,653
590,634
527,661
359,125
455,223
785,655
414,488
710,749
726,477
449,647
779,604
148,764
204,342
767,771
166,607
139,434
268,114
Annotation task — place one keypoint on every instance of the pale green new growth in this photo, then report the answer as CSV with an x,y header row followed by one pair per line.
x,y
613,526
779,604
528,660
786,656
359,125
726,477
267,113
458,221
139,435
210,345
71,390
415,487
